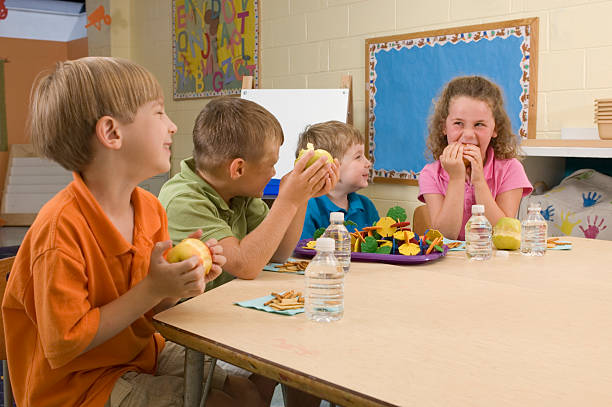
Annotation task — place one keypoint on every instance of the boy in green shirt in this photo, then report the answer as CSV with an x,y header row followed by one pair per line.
x,y
236,144
218,190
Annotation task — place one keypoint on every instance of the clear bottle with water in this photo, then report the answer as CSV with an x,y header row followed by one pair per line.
x,y
533,232
337,231
324,301
478,244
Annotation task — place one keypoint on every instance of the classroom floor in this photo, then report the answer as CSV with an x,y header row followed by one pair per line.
x,y
277,399
2,387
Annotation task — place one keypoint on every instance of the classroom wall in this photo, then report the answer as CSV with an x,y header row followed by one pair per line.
x,y
27,59
312,43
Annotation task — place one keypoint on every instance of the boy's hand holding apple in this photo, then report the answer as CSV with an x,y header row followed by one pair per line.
x,y
184,272
191,247
309,178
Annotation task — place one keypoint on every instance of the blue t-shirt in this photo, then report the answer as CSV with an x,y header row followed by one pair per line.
x,y
360,210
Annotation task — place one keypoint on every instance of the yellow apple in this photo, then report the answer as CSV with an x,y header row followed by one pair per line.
x,y
466,162
317,154
507,234
191,247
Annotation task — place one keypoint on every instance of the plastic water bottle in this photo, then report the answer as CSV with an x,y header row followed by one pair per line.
x,y
337,231
533,232
478,245
324,301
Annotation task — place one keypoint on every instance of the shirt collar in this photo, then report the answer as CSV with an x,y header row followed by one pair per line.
x,y
487,167
188,170
355,204
109,238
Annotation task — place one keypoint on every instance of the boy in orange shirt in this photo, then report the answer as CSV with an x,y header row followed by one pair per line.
x,y
91,273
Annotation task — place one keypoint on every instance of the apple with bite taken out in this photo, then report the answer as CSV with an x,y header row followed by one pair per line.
x,y
466,162
191,247
317,154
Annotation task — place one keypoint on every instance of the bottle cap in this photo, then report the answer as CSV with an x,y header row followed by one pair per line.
x,y
325,244
534,207
336,217
477,209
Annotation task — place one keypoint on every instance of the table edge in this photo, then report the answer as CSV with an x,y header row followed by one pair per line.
x,y
291,377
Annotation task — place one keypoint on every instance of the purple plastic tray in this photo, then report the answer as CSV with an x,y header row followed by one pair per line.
x,y
376,257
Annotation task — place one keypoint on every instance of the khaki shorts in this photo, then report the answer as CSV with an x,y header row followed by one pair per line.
x,y
165,388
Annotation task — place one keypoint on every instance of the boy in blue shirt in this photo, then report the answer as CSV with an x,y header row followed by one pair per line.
x,y
347,144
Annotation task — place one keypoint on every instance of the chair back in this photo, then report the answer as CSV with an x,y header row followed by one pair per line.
x,y
5,267
421,220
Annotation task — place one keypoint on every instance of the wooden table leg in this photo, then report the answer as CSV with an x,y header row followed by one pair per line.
x,y
194,374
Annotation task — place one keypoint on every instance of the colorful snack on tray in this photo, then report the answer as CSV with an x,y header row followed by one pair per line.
x,y
384,242
433,244
409,249
398,213
386,229
432,234
310,245
392,235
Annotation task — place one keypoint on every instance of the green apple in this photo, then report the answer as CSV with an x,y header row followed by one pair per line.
x,y
507,234
191,247
317,154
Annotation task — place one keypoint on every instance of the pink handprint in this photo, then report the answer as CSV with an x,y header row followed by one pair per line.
x,y
593,229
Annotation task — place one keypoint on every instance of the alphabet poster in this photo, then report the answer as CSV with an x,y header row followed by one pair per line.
x,y
215,43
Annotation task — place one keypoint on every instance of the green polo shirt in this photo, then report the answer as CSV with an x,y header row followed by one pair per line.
x,y
192,204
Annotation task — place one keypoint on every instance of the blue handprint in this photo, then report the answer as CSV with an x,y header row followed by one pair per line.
x,y
590,199
548,213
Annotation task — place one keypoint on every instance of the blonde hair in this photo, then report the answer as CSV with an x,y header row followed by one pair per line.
x,y
229,128
67,103
505,145
334,136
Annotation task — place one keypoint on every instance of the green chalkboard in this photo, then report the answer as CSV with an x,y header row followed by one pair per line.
x,y
406,73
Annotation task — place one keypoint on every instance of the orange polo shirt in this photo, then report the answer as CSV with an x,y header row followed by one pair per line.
x,y
73,261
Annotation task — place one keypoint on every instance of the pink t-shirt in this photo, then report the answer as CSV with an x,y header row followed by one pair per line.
x,y
501,176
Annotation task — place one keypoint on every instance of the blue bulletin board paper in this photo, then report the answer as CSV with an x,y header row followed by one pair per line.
x,y
406,75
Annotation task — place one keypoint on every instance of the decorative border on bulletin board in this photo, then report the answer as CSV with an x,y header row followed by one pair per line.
x,y
524,29
214,44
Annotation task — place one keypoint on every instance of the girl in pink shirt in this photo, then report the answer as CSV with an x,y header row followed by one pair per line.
x,y
470,137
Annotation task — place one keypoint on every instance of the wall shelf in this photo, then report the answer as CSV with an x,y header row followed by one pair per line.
x,y
567,148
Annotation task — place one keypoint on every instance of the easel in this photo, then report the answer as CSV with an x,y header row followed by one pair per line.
x,y
345,83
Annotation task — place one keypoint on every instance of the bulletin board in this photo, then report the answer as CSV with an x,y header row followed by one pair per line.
x,y
214,44
406,73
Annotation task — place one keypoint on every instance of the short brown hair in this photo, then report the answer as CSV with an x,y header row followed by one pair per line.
x,y
67,103
229,128
334,136
505,145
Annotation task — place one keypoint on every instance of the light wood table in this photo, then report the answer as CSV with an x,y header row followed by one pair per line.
x,y
513,331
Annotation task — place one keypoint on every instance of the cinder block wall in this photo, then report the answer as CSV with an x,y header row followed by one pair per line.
x,y
312,43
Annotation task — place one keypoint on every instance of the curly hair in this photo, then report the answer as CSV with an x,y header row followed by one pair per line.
x,y
505,145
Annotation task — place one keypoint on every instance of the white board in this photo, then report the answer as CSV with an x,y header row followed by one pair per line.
x,y
295,109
